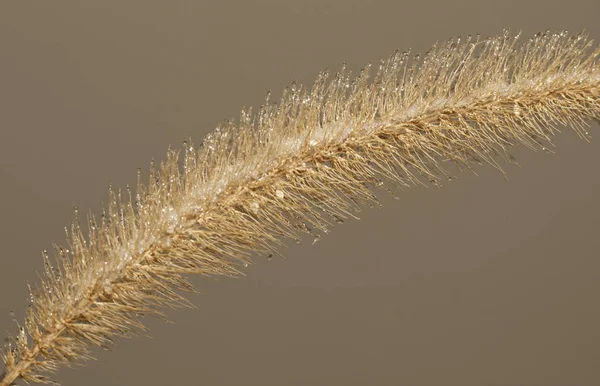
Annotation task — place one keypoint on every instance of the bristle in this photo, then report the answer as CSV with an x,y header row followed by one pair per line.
x,y
296,167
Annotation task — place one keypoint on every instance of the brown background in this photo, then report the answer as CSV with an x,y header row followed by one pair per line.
x,y
482,282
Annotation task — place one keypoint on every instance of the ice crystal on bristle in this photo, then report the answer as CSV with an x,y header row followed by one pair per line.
x,y
296,167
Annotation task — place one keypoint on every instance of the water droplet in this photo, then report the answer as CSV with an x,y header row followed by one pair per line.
x,y
245,265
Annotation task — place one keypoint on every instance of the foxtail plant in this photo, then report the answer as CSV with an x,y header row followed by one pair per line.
x,y
293,167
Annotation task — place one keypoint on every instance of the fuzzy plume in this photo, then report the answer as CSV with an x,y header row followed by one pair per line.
x,y
298,166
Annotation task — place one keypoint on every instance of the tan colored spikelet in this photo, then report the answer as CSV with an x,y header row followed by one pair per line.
x,y
298,166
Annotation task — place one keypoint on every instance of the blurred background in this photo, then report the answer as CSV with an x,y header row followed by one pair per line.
x,y
482,282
